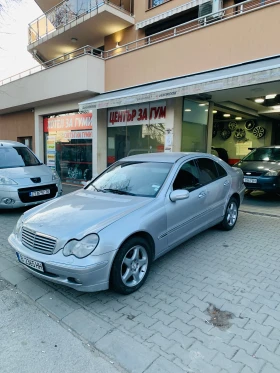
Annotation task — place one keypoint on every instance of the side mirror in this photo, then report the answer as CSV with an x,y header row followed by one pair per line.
x,y
179,194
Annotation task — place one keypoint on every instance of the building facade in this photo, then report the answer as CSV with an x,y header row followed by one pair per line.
x,y
123,77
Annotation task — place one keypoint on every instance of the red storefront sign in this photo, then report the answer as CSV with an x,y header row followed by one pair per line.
x,y
76,122
142,114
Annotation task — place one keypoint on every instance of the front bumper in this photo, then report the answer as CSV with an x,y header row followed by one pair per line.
x,y
267,184
11,192
89,274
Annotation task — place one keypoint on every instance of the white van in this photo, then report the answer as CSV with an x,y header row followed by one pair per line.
x,y
24,180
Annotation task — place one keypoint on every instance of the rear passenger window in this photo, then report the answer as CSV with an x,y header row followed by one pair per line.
x,y
221,171
208,171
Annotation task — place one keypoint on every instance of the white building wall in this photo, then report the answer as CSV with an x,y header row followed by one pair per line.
x,y
82,75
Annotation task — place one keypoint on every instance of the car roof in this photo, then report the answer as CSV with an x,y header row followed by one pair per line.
x,y
9,143
163,157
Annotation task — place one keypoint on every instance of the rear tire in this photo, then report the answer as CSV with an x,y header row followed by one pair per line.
x,y
231,215
131,266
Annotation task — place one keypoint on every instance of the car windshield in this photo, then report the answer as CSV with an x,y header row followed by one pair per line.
x,y
264,155
132,178
11,157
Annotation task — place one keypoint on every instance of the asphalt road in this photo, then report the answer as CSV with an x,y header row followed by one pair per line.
x,y
32,342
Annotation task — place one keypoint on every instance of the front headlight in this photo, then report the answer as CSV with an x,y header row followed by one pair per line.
x,y
6,181
54,175
18,226
272,173
82,248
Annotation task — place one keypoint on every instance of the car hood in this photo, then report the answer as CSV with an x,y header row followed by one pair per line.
x,y
18,173
80,213
255,166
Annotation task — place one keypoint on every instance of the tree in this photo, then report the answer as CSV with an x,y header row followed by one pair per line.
x,y
5,5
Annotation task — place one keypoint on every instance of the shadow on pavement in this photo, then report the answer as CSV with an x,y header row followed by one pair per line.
x,y
261,202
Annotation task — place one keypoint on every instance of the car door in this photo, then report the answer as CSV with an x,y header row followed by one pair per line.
x,y
217,182
185,217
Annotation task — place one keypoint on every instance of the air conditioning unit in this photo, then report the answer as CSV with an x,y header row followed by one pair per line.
x,y
210,10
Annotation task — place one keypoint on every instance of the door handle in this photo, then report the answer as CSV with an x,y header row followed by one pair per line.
x,y
202,194
226,183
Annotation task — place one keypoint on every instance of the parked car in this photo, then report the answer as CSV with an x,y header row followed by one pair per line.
x,y
24,180
110,232
261,169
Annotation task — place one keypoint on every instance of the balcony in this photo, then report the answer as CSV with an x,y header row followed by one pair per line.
x,y
80,22
205,43
75,75
197,45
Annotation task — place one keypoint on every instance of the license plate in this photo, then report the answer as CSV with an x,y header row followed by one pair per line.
x,y
37,193
30,262
252,181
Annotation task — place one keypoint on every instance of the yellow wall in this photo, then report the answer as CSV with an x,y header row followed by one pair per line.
x,y
242,38
16,125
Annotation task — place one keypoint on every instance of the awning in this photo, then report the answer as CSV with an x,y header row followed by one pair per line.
x,y
257,72
169,13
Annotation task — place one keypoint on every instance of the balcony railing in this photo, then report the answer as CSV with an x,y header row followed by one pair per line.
x,y
196,24
225,13
68,11
84,51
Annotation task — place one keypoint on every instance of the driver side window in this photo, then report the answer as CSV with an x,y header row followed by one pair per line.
x,y
187,177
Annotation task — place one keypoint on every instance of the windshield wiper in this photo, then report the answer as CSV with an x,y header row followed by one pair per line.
x,y
117,191
98,190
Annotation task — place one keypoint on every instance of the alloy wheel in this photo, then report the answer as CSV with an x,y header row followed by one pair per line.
x,y
231,214
134,266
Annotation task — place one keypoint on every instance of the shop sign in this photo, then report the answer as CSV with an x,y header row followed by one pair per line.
x,y
149,113
73,122
74,135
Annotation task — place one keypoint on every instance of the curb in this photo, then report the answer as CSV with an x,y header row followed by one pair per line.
x,y
260,214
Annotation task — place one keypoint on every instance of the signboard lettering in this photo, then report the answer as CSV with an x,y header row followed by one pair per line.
x,y
152,113
73,122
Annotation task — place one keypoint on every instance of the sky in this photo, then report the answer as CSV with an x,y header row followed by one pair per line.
x,y
14,57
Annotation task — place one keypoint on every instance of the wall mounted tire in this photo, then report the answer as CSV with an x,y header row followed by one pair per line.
x,y
131,266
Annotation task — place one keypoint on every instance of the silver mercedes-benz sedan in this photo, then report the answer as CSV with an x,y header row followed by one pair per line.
x,y
110,232
24,180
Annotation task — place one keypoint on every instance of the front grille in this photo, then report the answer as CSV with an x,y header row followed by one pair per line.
x,y
23,193
38,241
36,179
252,173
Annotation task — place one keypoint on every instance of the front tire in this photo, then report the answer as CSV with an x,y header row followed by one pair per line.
x,y
131,266
231,215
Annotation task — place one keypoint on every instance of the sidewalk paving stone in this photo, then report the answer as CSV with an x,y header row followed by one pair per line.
x,y
165,327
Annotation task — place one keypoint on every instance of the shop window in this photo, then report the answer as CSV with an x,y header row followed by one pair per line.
x,y
136,129
194,126
68,146
234,135
208,171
